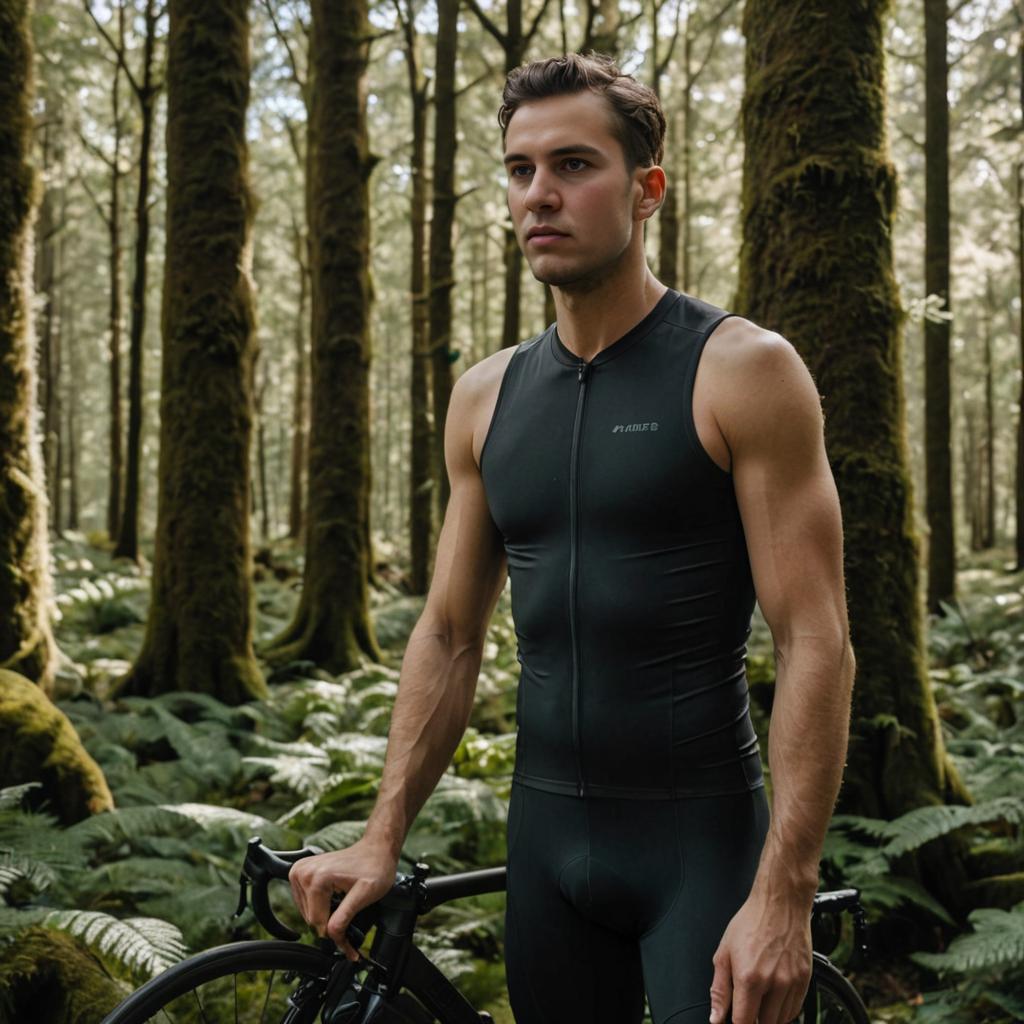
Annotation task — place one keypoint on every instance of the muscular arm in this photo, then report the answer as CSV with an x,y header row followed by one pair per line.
x,y
770,417
791,518
442,659
436,686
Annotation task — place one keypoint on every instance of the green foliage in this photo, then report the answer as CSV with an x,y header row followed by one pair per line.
x,y
986,966
142,945
996,945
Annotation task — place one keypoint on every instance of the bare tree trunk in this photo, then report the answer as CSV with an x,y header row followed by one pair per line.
x,y
514,41
442,263
973,503
146,91
939,486
48,238
26,640
668,215
989,531
686,226
421,476
261,459
300,412
72,399
1020,338
114,231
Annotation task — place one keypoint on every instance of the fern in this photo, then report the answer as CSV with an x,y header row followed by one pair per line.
x,y
923,824
996,945
337,835
142,945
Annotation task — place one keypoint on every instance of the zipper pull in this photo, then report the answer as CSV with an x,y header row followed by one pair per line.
x,y
582,371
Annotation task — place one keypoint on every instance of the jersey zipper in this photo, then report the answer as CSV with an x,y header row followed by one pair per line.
x,y
574,517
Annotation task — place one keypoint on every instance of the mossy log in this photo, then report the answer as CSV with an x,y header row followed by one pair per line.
x,y
38,743
49,977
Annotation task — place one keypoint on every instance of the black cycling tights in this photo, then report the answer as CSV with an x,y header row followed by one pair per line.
x,y
610,897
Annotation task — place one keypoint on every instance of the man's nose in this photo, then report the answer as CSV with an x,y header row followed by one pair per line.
x,y
543,192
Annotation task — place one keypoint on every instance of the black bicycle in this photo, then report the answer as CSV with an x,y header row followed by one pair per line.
x,y
287,982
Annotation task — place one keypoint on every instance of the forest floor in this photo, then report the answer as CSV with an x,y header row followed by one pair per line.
x,y
304,765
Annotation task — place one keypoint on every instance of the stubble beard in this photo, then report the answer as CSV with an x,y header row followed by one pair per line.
x,y
577,281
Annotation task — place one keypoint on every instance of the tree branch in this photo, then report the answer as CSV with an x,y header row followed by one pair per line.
x,y
117,49
487,23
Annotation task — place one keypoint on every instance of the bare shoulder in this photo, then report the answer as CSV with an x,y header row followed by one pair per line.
x,y
479,387
757,385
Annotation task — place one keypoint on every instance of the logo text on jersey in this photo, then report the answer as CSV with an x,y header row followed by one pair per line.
x,y
632,428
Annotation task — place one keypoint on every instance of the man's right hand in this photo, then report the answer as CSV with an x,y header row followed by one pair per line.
x,y
364,872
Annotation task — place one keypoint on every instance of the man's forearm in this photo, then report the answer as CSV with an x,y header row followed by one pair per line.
x,y
806,750
435,697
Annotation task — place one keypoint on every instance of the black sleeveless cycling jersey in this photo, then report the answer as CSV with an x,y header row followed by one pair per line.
x,y
631,585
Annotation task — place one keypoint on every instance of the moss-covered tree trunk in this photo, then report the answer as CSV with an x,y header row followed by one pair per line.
x,y
26,643
937,426
442,258
332,623
199,630
816,265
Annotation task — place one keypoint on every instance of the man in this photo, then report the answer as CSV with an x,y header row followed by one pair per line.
x,y
640,469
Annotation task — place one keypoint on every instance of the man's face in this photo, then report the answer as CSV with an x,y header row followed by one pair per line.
x,y
567,172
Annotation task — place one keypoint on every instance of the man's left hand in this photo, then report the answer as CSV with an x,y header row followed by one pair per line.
x,y
763,963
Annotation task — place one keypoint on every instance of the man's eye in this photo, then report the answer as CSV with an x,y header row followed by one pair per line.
x,y
576,160
514,171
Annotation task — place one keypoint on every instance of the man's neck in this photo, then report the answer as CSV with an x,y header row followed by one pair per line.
x,y
591,321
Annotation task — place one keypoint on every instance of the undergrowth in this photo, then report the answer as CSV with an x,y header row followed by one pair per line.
x,y
193,779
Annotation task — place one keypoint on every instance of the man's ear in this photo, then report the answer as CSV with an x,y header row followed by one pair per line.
x,y
653,184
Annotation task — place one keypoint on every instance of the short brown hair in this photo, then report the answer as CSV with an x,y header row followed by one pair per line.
x,y
638,122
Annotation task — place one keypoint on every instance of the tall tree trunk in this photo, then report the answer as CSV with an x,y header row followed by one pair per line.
x,y
421,476
332,623
686,225
199,630
937,428
300,409
514,41
973,505
261,460
513,290
989,531
26,642
1020,339
72,424
442,263
127,545
114,231
48,235
668,215
819,271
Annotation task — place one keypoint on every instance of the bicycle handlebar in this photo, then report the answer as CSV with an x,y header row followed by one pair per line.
x,y
260,866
